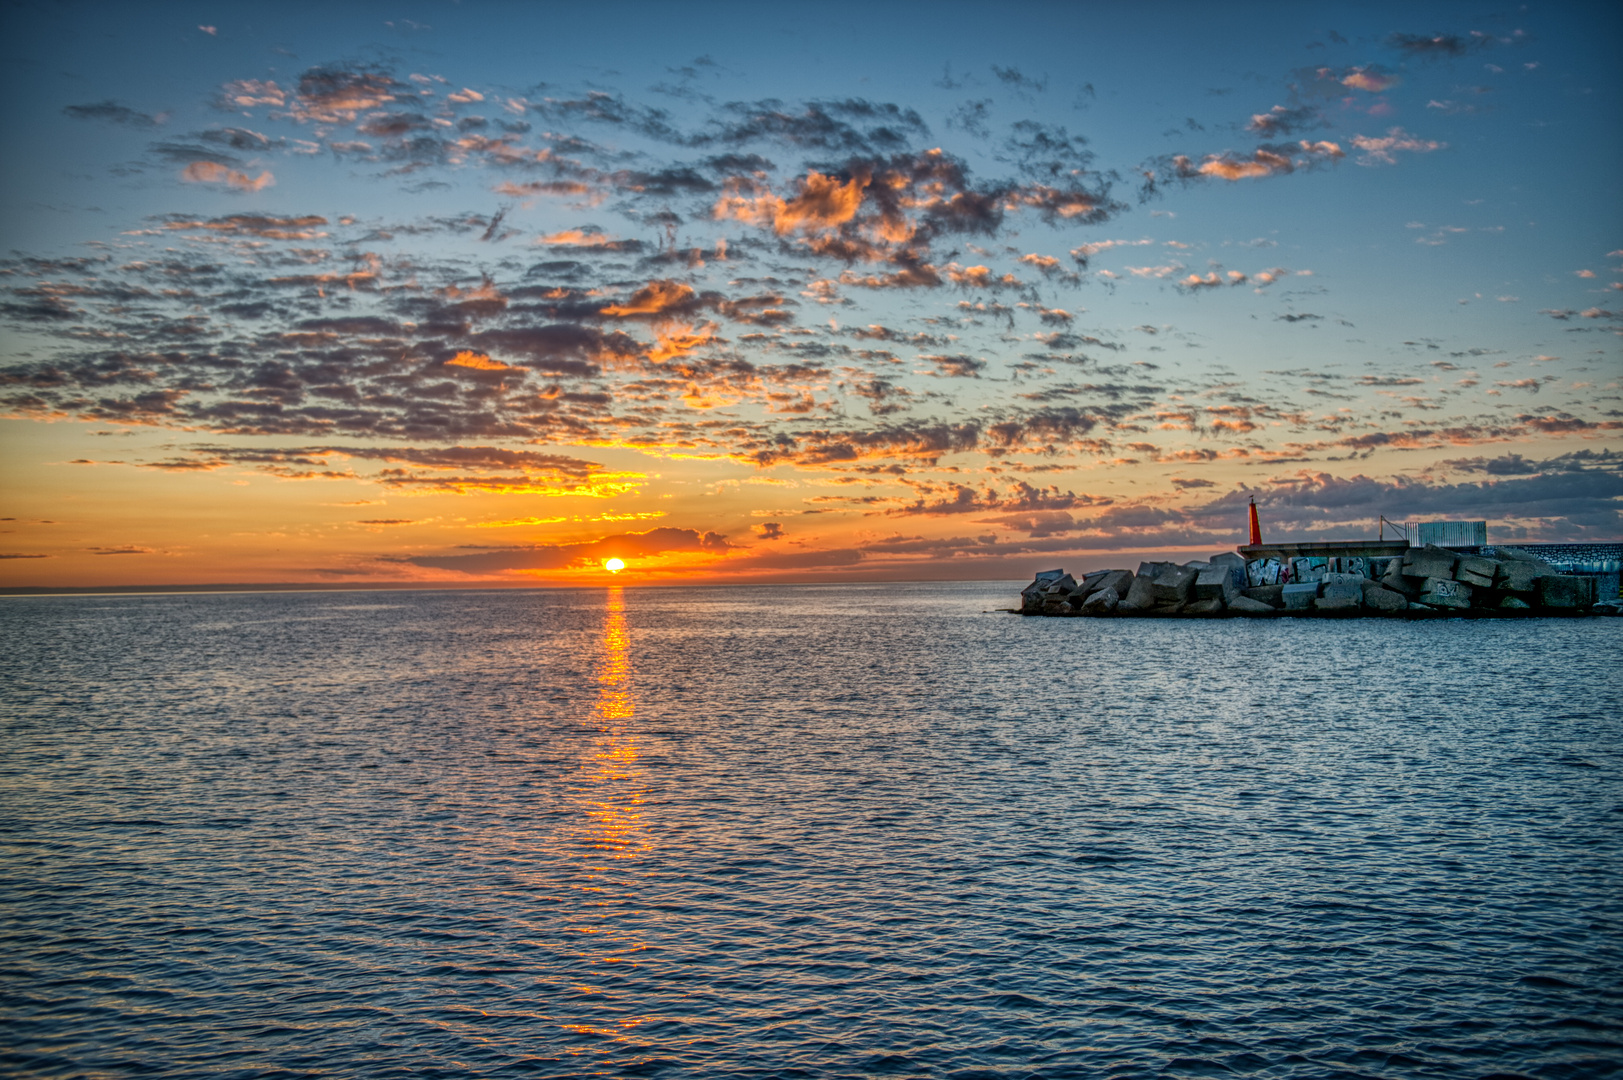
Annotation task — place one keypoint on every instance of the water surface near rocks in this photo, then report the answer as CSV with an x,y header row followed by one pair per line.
x,y
801,831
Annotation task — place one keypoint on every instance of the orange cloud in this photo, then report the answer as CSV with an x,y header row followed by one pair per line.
x,y
656,298
577,238
299,228
678,339
478,361
1364,79
823,203
980,277
212,172
1263,162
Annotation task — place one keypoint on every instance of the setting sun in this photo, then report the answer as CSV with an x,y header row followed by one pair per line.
x,y
614,566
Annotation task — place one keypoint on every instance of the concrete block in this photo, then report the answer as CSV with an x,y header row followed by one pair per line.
x,y
1563,591
1044,579
1341,586
1230,557
1090,582
1348,564
1477,566
1120,580
1394,579
1244,605
1211,606
1430,561
1140,594
1476,581
1103,602
1260,572
1380,598
1515,603
1300,596
1173,585
1339,603
1272,595
1519,575
1306,570
1220,581
1152,570
1445,592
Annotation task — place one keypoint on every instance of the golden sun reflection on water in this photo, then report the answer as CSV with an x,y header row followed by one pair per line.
x,y
613,794
610,834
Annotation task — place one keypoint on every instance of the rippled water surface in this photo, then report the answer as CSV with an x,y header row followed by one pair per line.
x,y
801,831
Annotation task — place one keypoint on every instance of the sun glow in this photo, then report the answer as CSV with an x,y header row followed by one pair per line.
x,y
614,566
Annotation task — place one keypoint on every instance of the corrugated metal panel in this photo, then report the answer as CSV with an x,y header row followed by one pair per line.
x,y
1452,533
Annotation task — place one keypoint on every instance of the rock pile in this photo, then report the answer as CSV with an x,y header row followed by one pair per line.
x,y
1430,580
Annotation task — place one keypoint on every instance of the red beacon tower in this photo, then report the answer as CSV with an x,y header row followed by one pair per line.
x,y
1256,529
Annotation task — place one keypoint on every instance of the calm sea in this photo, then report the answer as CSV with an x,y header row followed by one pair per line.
x,y
801,831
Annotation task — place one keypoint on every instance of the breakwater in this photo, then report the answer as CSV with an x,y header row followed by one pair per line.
x,y
1423,582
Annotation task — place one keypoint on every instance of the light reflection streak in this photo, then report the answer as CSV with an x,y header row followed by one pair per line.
x,y
614,789
610,795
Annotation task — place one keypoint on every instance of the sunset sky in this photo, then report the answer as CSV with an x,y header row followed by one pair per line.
x,y
489,293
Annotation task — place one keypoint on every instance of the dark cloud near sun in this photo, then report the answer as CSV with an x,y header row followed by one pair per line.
x,y
543,557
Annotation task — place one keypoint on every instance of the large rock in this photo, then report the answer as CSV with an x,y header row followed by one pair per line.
x,y
1565,591
1446,593
1380,598
1212,606
1300,596
1430,561
1244,605
1220,581
1120,580
1339,603
1140,595
1102,602
1272,595
1173,585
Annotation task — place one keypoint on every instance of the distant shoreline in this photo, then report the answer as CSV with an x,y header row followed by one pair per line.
x,y
18,591
295,586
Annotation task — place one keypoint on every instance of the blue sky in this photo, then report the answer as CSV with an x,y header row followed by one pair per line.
x,y
854,290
